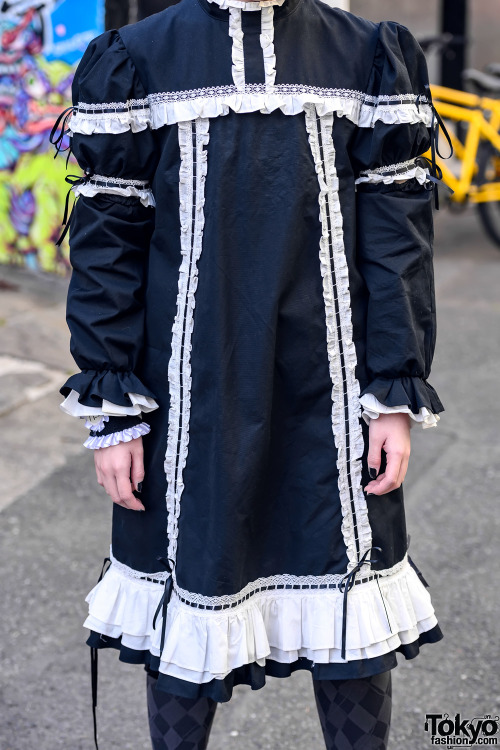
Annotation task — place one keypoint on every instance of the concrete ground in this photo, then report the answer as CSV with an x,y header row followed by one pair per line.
x,y
55,526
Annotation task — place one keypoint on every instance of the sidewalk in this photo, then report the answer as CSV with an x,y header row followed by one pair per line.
x,y
55,523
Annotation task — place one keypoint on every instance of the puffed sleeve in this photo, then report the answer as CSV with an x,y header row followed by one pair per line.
x,y
395,231
110,232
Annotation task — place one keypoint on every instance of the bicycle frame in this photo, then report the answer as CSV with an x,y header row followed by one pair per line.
x,y
483,117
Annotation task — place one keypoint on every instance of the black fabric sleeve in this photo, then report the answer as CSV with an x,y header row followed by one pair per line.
x,y
395,227
109,233
115,424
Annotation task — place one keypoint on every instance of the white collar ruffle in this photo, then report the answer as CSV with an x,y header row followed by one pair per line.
x,y
246,4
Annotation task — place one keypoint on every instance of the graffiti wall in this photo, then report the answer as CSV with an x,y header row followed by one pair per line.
x,y
40,45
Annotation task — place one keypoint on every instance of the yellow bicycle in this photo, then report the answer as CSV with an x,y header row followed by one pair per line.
x,y
473,124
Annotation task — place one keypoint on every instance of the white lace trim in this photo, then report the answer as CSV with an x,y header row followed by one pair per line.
x,y
237,54
179,106
340,346
123,436
372,407
128,572
140,403
282,581
110,117
116,186
193,138
394,172
246,5
267,44
283,625
96,423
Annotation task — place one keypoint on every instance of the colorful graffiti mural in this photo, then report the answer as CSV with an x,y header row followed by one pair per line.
x,y
39,49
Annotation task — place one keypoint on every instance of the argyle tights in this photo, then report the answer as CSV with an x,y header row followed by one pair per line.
x,y
354,715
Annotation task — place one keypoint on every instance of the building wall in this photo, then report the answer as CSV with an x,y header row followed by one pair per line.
x,y
40,45
422,18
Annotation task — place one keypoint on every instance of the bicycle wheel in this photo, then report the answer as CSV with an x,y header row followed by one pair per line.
x,y
489,171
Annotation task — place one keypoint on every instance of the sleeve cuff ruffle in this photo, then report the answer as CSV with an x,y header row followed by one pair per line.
x,y
373,408
123,436
92,393
413,396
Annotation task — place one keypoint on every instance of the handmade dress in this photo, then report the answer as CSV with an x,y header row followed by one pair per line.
x,y
252,282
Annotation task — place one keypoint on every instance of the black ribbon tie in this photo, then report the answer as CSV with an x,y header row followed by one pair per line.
x,y
436,174
346,585
73,180
62,125
93,663
162,606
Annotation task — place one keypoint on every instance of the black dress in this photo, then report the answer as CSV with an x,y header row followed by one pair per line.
x,y
252,266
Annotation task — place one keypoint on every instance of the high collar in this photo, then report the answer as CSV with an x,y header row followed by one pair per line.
x,y
220,8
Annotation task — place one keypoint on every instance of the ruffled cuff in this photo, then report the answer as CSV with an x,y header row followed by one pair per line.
x,y
94,393
113,438
413,396
372,408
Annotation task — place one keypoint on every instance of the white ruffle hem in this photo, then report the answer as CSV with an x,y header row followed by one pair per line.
x,y
282,625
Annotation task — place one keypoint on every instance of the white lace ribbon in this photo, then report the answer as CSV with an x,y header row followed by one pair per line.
x,y
246,4
123,436
116,186
394,173
172,107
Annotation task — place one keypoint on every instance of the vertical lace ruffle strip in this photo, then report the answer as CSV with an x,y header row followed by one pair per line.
x,y
346,410
193,139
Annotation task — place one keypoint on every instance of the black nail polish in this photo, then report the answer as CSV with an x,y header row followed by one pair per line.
x,y
372,472
139,487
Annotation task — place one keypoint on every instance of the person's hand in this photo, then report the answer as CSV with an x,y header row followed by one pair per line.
x,y
392,433
119,470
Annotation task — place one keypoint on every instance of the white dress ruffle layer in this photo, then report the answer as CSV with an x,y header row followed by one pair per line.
x,y
282,625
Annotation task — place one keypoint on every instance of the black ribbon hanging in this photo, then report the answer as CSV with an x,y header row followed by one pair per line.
x,y
162,606
417,571
57,139
436,174
346,585
73,180
93,664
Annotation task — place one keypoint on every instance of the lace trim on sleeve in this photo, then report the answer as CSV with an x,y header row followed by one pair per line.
x,y
116,186
394,172
123,436
96,423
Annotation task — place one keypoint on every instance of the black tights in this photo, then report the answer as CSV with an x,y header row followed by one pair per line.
x,y
354,715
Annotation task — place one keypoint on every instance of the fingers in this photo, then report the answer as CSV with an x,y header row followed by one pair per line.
x,y
376,442
390,479
125,489
113,469
390,432
137,468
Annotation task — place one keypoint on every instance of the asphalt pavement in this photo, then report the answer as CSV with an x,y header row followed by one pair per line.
x,y
55,525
